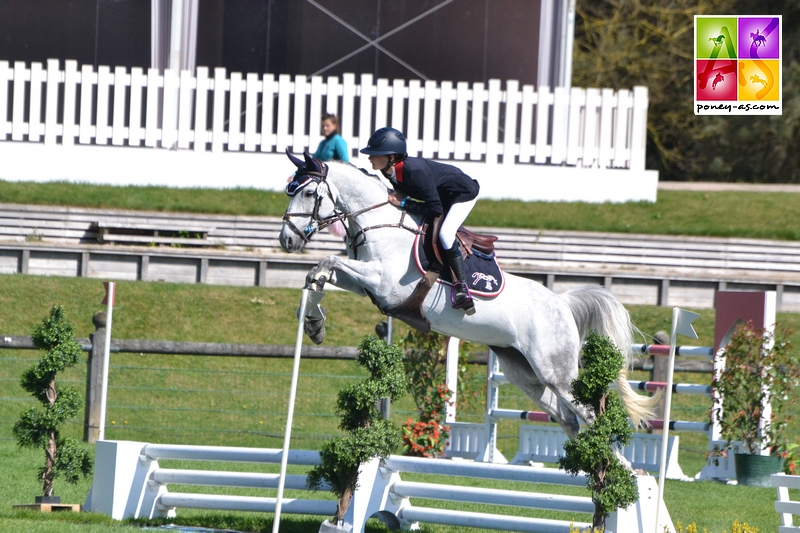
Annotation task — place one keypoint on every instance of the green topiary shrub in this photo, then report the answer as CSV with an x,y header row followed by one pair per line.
x,y
612,484
38,426
368,435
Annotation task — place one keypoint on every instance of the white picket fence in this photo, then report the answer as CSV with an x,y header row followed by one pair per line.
x,y
589,128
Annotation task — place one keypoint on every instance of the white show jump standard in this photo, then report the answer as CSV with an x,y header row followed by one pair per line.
x,y
785,506
545,444
128,483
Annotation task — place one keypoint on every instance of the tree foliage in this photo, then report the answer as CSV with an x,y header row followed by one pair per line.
x,y
429,436
624,43
368,435
426,373
612,484
425,368
38,426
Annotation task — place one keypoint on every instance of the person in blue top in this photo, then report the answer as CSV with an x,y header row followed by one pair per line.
x,y
332,147
428,188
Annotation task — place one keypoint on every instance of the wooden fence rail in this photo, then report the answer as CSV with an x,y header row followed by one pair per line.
x,y
95,345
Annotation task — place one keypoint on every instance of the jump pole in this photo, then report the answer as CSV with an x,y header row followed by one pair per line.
x,y
293,392
111,289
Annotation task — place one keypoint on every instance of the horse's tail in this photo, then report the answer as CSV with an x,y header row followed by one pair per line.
x,y
596,309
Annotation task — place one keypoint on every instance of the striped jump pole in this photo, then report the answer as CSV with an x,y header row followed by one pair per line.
x,y
663,350
538,416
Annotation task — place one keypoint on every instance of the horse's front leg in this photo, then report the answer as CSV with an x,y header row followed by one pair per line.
x,y
348,274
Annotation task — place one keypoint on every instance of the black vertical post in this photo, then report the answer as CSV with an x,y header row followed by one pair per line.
x,y
94,379
384,332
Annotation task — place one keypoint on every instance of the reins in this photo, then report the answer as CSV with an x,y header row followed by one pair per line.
x,y
317,223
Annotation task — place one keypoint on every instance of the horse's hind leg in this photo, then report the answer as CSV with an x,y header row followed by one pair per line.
x,y
519,373
560,407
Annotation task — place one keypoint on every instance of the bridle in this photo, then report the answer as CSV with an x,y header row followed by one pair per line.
x,y
303,178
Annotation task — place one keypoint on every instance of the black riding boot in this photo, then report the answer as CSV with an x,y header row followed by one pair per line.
x,y
459,295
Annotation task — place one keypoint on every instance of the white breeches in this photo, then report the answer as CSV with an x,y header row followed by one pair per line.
x,y
453,220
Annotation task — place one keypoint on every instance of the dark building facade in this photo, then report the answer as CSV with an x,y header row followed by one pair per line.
x,y
458,40
93,32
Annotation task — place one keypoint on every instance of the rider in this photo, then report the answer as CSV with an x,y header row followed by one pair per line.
x,y
428,188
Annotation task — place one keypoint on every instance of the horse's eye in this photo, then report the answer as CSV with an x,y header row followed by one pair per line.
x,y
308,193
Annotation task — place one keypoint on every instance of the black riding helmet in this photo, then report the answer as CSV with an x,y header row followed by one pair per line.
x,y
386,141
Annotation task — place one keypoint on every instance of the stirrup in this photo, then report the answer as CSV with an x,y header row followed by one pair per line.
x,y
466,303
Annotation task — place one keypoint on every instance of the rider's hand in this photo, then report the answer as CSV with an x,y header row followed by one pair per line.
x,y
395,198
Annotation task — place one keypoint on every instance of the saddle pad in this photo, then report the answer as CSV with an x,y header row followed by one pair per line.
x,y
484,276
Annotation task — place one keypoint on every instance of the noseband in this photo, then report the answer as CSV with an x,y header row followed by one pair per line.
x,y
316,223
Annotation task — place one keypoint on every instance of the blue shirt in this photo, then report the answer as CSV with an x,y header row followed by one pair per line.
x,y
332,148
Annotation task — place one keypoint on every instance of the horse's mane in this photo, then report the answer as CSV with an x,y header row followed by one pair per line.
x,y
370,178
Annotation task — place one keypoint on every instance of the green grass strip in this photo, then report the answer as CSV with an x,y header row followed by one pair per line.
x,y
719,214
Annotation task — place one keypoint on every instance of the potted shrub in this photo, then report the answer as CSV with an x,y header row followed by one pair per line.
x,y
367,435
760,369
426,369
39,427
612,485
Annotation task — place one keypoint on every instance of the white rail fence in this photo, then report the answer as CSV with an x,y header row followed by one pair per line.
x,y
129,483
785,506
589,128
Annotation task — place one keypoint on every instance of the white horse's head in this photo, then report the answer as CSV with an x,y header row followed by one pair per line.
x,y
320,194
311,203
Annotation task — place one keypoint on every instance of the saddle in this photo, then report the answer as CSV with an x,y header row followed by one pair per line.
x,y
482,242
410,310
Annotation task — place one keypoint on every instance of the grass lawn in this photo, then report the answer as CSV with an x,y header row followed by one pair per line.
x,y
178,312
216,314
721,214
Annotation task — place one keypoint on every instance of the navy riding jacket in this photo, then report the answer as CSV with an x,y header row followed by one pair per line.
x,y
435,186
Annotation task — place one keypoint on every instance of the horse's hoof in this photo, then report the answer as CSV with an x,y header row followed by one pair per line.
x,y
318,338
315,329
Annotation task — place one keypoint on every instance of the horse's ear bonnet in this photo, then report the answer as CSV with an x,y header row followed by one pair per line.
x,y
309,170
297,162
